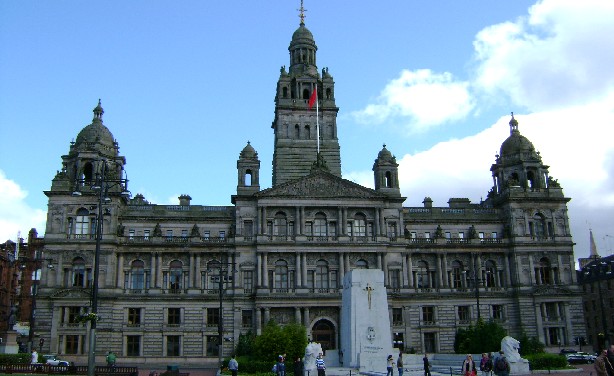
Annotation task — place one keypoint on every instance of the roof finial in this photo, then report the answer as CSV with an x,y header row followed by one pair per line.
x,y
301,15
513,125
98,111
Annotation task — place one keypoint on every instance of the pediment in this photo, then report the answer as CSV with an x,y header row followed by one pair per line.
x,y
72,294
551,290
320,184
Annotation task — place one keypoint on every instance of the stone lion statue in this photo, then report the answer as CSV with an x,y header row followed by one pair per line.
x,y
510,347
312,351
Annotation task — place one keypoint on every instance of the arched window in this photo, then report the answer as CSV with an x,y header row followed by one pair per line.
x,y
82,222
297,132
422,275
321,274
531,179
175,275
388,178
307,132
319,225
490,274
248,178
281,274
329,93
362,264
88,172
543,272
78,272
306,94
280,225
537,227
285,92
457,275
137,273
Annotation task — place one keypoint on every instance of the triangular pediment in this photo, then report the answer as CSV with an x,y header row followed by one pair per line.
x,y
320,184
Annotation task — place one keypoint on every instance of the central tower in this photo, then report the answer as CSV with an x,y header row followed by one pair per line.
x,y
297,124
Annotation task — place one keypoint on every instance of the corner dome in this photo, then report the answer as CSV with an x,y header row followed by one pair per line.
x,y
384,153
96,132
515,143
301,34
249,152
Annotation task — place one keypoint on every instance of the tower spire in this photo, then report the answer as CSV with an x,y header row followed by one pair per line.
x,y
98,111
513,124
593,246
301,14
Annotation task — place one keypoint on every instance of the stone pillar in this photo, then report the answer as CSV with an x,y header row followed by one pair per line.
x,y
445,274
265,271
159,271
532,280
440,270
410,271
298,226
377,223
258,320
341,266
304,268
404,281
568,326
340,225
120,270
507,271
306,321
540,325
267,315
259,270
197,276
401,233
298,272
297,314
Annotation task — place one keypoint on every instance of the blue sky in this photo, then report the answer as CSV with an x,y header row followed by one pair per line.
x,y
185,85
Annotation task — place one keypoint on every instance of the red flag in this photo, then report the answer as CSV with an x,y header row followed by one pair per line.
x,y
313,97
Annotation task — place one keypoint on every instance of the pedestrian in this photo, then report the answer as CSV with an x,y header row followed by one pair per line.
x,y
280,367
321,367
389,365
111,358
400,363
299,367
610,361
469,366
427,365
485,364
233,365
501,365
34,358
600,362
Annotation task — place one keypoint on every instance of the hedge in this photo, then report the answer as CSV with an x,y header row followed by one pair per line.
x,y
546,361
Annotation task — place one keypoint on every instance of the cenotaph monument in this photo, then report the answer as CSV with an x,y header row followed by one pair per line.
x,y
366,340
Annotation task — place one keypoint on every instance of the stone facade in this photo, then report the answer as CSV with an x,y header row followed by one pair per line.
x,y
281,253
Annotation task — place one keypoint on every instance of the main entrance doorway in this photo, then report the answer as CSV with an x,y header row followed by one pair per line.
x,y
323,332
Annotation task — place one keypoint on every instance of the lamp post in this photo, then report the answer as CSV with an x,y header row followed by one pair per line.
x,y
476,284
101,185
223,273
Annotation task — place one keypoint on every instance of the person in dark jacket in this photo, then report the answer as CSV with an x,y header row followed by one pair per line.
x,y
299,367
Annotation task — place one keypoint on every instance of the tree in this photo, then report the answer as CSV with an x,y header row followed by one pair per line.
x,y
246,344
275,340
530,345
481,338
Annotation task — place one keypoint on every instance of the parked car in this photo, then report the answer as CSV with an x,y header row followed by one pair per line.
x,y
580,358
52,360
568,351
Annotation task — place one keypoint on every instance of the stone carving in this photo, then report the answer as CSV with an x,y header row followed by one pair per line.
x,y
510,347
320,184
371,333
312,350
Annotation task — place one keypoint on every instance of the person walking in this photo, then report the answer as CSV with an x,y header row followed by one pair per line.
x,y
233,365
34,357
427,365
299,367
469,366
389,365
400,363
485,364
321,367
599,365
280,367
501,365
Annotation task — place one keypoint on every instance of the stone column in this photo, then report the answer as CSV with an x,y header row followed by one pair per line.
x,y
259,270
568,326
401,233
377,223
159,271
446,275
267,315
440,270
297,314
197,277
341,266
258,320
532,280
540,325
298,271
339,222
307,321
265,271
507,271
298,226
120,270
304,268
410,271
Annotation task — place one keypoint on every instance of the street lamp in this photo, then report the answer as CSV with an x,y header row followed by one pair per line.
x,y
223,274
476,283
103,185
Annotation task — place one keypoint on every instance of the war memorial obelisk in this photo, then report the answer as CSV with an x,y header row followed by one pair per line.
x,y
365,325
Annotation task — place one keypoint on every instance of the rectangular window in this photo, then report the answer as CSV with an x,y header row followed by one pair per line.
x,y
461,235
248,279
392,230
448,235
481,236
213,316
395,279
206,235
173,345
428,315
333,279
174,316
493,235
430,342
133,345
73,315
212,345
397,316
134,316
332,228
146,234
463,314
413,235
131,234
72,344
184,233
248,228
169,234
247,318
427,235
497,312
222,234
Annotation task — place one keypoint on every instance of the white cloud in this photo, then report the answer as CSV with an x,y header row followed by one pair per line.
x,y
421,99
559,55
15,214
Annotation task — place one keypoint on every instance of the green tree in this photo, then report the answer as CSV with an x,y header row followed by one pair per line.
x,y
246,344
483,337
530,345
296,337
275,340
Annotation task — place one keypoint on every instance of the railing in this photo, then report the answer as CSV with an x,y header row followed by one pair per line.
x,y
422,240
81,236
63,370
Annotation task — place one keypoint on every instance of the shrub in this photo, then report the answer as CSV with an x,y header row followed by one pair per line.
x,y
481,338
546,361
14,358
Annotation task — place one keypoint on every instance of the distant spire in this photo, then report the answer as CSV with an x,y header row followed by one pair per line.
x,y
513,124
98,111
301,14
593,247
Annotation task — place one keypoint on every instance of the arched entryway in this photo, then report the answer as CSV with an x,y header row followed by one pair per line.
x,y
323,332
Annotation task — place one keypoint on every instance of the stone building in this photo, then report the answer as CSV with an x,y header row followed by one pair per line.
x,y
596,279
172,276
